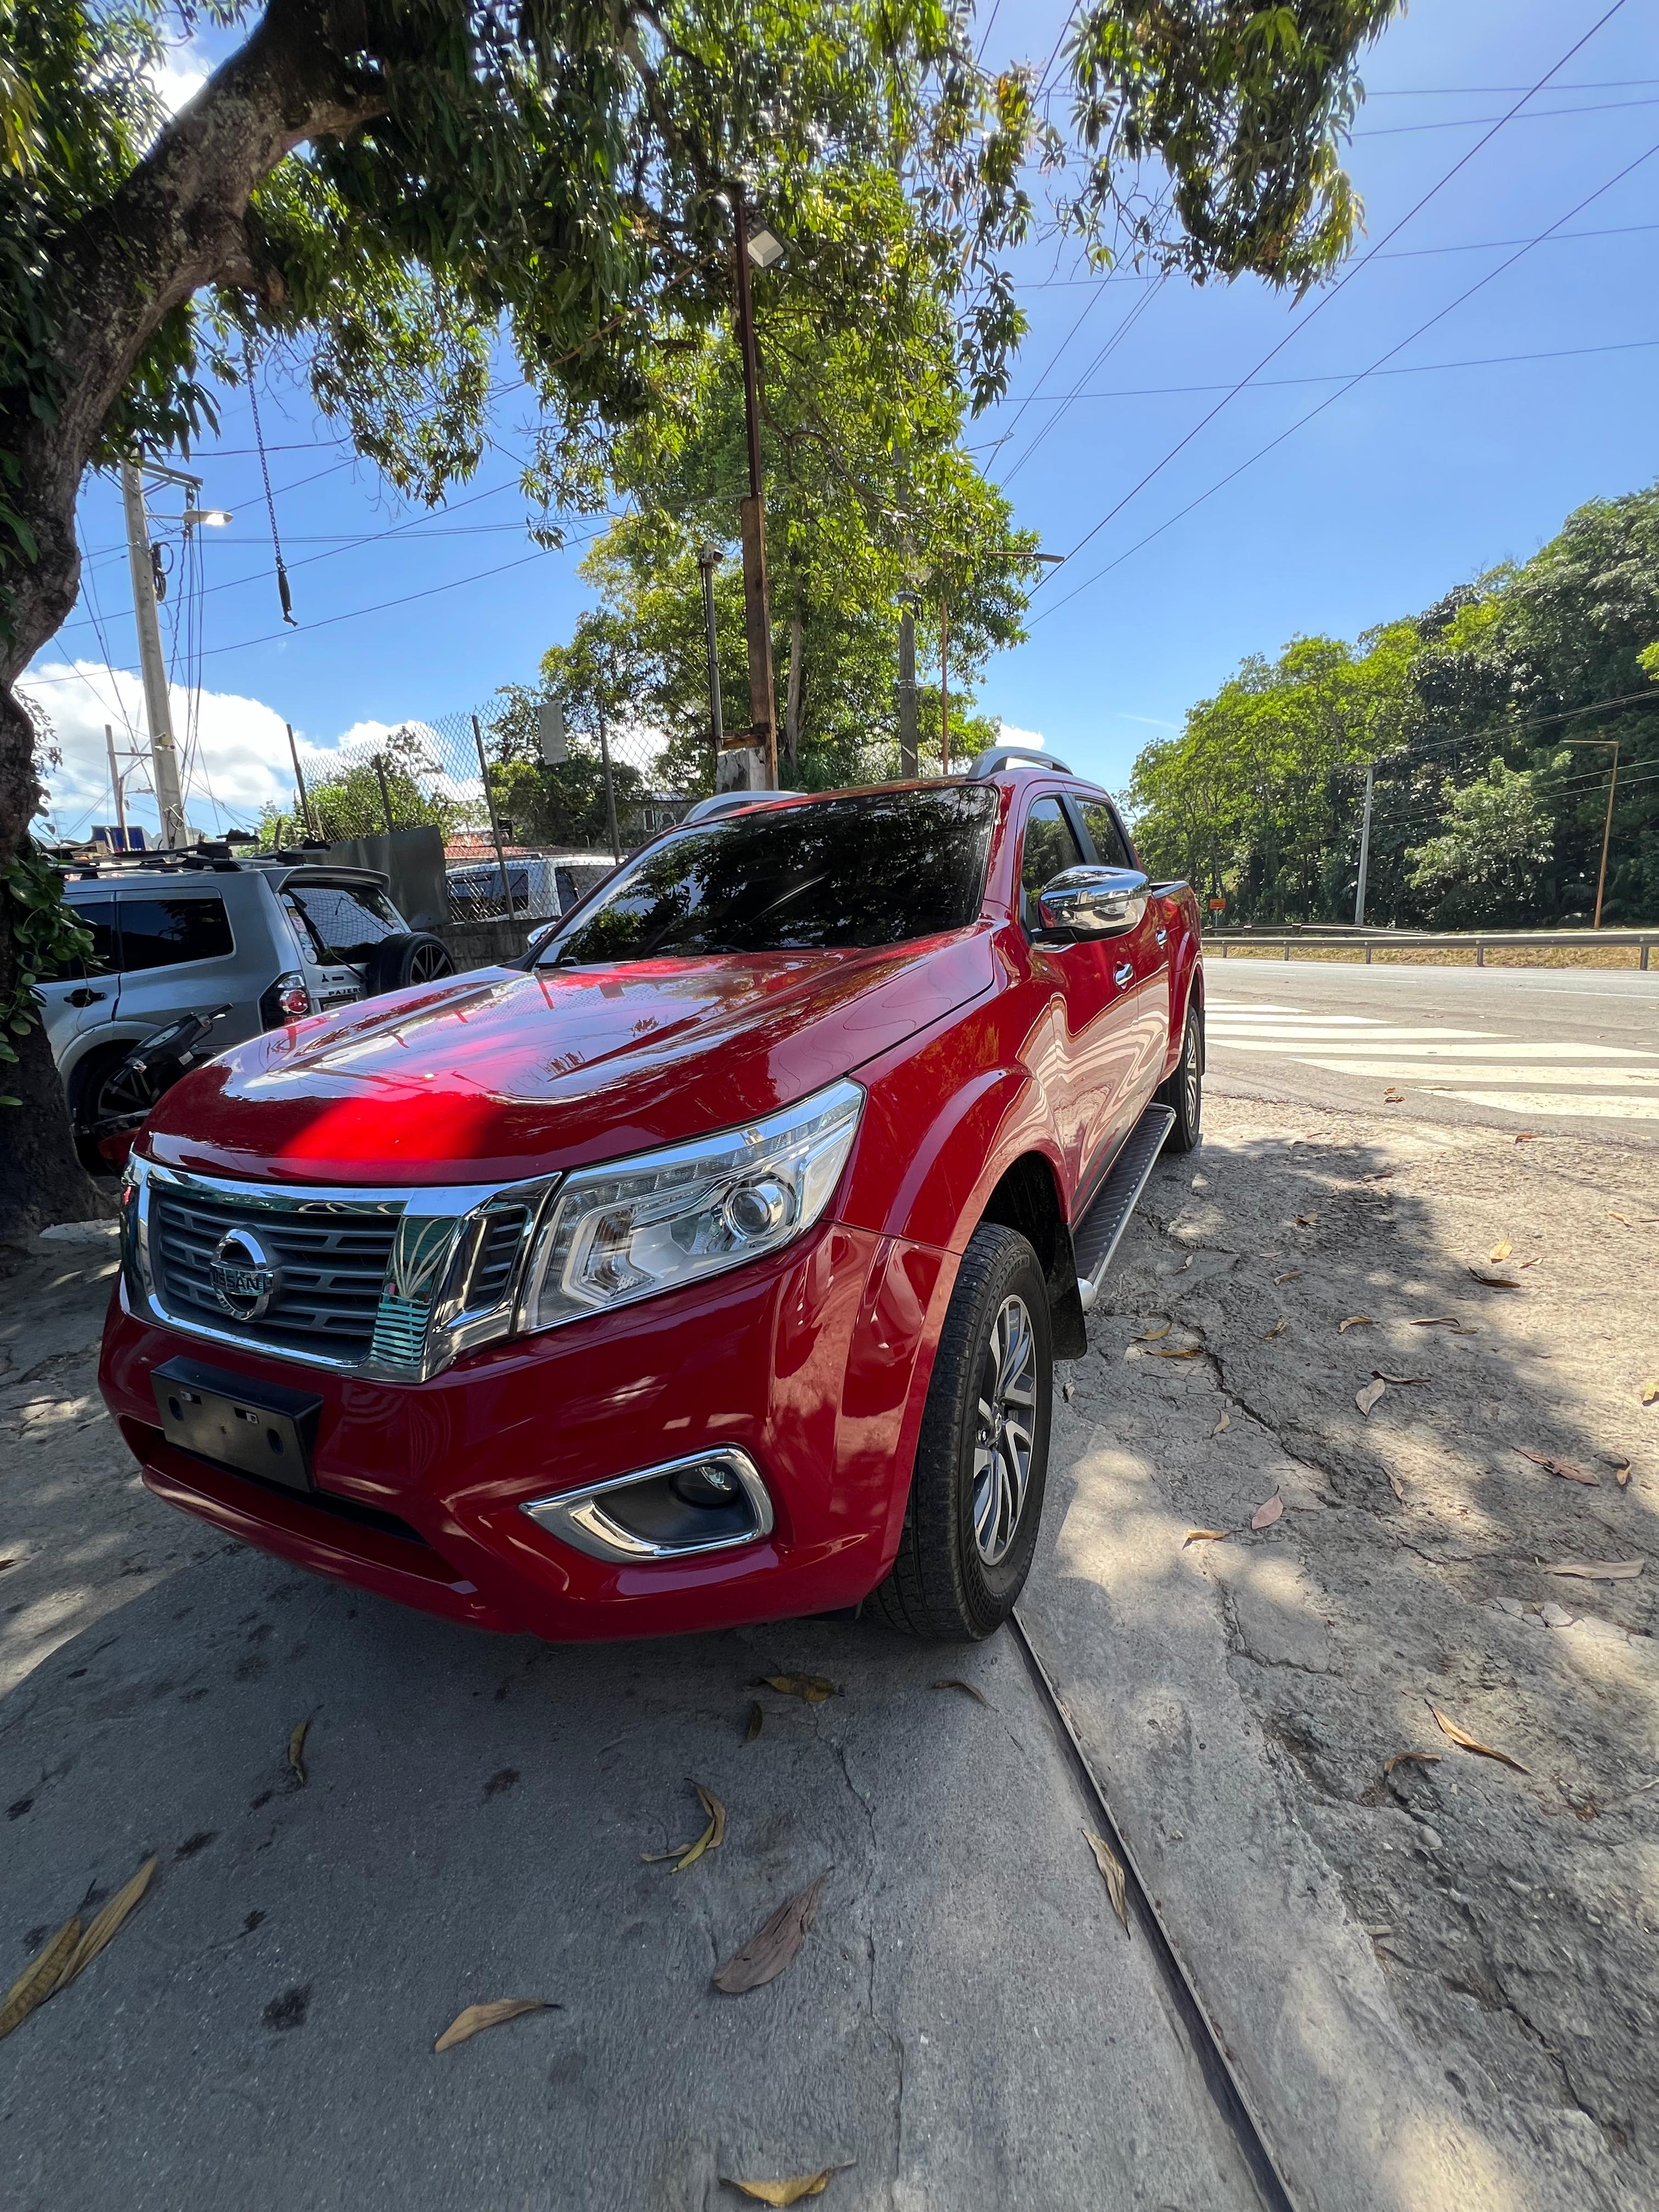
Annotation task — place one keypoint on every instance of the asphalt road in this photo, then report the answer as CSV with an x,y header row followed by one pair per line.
x,y
1572,1052
966,2022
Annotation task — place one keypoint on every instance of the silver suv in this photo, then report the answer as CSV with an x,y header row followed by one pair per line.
x,y
269,940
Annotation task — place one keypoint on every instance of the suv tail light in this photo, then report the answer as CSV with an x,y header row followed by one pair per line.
x,y
287,1000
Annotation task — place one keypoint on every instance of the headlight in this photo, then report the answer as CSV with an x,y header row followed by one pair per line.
x,y
635,1227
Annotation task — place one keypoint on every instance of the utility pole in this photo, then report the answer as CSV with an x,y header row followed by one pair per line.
x,y
164,757
115,786
907,685
385,794
1365,852
1607,826
943,686
307,822
757,602
709,559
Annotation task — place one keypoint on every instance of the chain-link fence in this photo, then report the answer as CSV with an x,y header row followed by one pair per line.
x,y
532,811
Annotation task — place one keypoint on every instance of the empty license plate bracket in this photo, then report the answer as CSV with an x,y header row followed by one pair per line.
x,y
260,1429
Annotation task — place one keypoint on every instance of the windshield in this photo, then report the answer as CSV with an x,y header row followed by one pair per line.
x,y
875,868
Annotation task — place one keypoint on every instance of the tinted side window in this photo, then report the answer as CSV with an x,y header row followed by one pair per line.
x,y
1110,850
344,921
166,933
1050,847
98,916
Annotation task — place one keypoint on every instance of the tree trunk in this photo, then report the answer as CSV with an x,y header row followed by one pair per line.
x,y
178,223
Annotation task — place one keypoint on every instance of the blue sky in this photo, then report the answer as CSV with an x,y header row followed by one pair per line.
x,y
1401,487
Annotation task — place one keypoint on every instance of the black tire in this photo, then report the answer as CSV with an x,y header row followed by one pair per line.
x,y
1184,1092
88,1104
398,962
946,1583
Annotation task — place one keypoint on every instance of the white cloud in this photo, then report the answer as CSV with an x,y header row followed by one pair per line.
x,y
1011,734
238,764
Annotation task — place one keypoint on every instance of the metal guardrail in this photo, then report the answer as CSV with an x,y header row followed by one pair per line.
x,y
1396,940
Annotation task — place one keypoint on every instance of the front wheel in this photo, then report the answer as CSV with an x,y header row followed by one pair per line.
x,y
970,1527
1184,1091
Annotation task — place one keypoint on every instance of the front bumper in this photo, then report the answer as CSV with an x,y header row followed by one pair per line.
x,y
815,1363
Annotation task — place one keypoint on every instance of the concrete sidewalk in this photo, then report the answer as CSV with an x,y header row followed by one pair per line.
x,y
1438,1983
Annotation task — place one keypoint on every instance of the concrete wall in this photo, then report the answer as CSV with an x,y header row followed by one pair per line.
x,y
484,944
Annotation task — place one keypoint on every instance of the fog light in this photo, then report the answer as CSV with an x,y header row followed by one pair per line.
x,y
706,1482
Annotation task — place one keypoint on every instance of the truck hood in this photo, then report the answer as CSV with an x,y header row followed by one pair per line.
x,y
499,1074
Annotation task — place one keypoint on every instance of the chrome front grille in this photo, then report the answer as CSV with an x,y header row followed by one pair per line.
x,y
332,1258
392,1284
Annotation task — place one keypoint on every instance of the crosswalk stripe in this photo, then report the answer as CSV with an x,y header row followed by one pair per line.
x,y
1585,1104
1436,1074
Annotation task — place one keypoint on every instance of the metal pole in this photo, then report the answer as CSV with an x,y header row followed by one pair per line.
x,y
1365,852
115,785
944,687
909,763
609,790
1607,835
708,561
494,826
385,795
300,783
758,606
164,757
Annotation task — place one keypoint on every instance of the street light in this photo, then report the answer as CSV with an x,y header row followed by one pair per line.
x,y
762,250
709,559
765,247
215,517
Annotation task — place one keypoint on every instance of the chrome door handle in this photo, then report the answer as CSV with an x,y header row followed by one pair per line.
x,y
1162,935
84,997
1124,975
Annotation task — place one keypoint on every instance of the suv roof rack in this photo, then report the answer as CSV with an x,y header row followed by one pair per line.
x,y
996,757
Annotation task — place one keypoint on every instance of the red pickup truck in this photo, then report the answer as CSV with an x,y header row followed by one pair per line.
x,y
709,1266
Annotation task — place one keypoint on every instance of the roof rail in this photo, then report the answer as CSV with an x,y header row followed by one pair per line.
x,y
998,756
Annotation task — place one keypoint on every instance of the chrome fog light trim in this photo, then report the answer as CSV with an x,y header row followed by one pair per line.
x,y
592,1519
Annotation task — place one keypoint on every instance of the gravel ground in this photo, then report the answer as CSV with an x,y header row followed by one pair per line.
x,y
1439,1980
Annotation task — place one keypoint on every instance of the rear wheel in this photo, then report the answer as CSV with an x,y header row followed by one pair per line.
x,y
93,1095
1184,1092
398,962
970,1527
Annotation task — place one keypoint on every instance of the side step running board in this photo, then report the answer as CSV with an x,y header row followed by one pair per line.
x,y
1096,1237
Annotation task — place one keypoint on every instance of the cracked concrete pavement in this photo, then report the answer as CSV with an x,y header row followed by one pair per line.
x,y
966,2020
1437,1982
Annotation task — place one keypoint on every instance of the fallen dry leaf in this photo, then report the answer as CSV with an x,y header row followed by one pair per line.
x,y
474,2021
1354,1321
1564,1468
105,1922
713,1837
1367,1397
1437,1320
38,1978
1306,1221
1501,1250
1412,1759
956,1682
1533,1262
296,1744
1223,1423
813,1688
1204,1537
1625,1218
1402,1382
793,2190
1494,1282
1620,1472
1650,1392
1294,1276
1277,1329
1178,1352
757,1718
1599,1570
1111,1868
773,1944
1151,1336
1473,1742
1394,1097
1267,1512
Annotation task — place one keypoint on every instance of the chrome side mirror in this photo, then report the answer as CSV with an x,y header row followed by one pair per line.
x,y
1094,901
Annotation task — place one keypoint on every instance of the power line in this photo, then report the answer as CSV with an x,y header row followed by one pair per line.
x,y
1472,122
1405,253
1325,298
1337,376
1330,400
1062,401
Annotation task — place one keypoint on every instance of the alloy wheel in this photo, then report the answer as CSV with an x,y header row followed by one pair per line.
x,y
1004,1435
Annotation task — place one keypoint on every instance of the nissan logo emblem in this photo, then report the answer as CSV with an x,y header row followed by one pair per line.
x,y
245,1278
